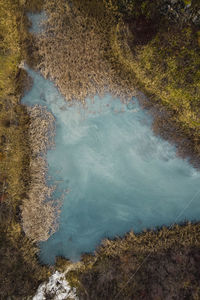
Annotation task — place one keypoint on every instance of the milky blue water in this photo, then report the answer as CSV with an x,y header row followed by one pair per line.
x,y
120,176
37,22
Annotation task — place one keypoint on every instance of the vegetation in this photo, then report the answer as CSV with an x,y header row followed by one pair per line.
x,y
119,46
20,271
114,45
72,52
151,265
163,53
92,47
39,212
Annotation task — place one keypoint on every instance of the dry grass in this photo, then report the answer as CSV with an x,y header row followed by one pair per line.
x,y
77,54
73,50
89,48
39,213
170,272
20,271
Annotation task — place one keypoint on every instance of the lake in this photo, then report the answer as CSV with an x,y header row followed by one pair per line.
x,y
118,174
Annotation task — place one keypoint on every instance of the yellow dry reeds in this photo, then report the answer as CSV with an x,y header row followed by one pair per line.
x,y
73,52
39,213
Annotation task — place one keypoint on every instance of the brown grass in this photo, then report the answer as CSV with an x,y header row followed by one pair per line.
x,y
165,264
73,50
39,213
20,271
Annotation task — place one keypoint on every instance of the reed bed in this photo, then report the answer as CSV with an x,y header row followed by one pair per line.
x,y
161,264
76,53
94,47
73,51
39,213
21,272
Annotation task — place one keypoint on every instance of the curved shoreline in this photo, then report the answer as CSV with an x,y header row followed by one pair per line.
x,y
39,213
21,272
15,233
117,76
166,127
74,279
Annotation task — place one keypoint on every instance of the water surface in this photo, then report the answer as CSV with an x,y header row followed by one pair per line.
x,y
120,176
37,22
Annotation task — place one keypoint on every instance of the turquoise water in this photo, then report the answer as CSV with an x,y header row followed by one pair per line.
x,y
118,174
37,22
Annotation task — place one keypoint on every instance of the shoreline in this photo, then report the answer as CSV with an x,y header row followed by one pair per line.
x,y
40,273
155,109
147,255
21,272
186,138
165,127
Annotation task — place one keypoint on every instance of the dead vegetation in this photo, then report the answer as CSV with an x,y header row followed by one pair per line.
x,y
176,256
74,47
39,213
21,272
151,265
92,47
